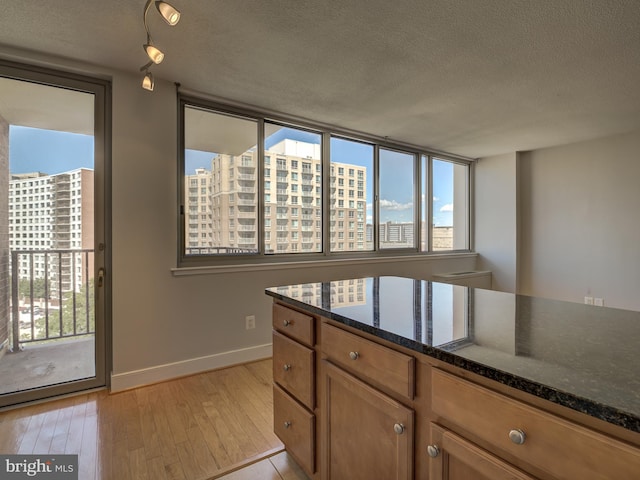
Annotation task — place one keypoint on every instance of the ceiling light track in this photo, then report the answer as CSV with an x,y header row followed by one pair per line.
x,y
171,16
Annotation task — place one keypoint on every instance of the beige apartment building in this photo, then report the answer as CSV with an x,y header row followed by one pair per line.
x,y
53,214
221,206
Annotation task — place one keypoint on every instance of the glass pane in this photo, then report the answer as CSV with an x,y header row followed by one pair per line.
x,y
450,201
292,190
220,174
396,205
47,321
351,186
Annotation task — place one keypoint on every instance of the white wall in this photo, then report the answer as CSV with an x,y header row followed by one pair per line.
x,y
577,231
580,221
496,219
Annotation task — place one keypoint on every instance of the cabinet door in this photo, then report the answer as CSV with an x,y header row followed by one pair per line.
x,y
368,435
454,458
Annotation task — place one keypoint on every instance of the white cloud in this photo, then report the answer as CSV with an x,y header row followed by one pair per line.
x,y
435,199
447,208
393,205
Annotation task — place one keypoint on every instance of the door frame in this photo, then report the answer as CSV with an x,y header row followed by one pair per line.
x,y
101,89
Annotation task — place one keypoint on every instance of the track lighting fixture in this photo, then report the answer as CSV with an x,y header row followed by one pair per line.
x,y
147,81
171,16
155,55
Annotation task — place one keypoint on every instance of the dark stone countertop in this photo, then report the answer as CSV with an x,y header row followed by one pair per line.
x,y
583,357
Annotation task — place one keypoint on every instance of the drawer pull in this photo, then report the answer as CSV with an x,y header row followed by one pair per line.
x,y
354,355
287,424
286,323
433,451
398,428
286,367
517,436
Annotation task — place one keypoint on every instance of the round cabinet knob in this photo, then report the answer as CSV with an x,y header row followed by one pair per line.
x,y
286,367
287,424
517,436
286,323
398,428
354,355
433,451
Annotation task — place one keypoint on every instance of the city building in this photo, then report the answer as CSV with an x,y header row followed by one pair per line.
x,y
221,204
52,214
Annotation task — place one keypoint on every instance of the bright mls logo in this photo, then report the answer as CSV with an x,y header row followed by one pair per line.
x,y
50,467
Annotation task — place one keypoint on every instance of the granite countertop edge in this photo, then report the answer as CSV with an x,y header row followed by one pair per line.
x,y
578,403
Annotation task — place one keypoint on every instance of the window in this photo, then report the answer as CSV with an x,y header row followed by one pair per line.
x,y
207,155
301,150
275,196
397,193
450,230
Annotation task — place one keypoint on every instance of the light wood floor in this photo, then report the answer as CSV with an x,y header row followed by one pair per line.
x,y
193,428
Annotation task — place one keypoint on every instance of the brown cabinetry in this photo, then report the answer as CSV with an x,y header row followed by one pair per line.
x,y
536,440
295,380
367,434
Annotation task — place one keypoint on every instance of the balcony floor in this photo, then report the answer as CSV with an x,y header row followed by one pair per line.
x,y
47,364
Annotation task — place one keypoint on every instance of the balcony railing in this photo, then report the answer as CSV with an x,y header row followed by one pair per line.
x,y
52,295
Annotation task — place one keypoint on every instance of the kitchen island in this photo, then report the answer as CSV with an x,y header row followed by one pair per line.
x,y
468,383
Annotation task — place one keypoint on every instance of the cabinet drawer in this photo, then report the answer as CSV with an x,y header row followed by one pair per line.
x,y
295,426
293,368
294,324
381,365
564,450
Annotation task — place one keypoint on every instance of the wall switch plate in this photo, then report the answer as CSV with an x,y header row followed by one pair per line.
x,y
250,322
599,302
588,300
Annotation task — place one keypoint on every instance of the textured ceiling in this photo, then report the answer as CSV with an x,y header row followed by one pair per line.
x,y
469,77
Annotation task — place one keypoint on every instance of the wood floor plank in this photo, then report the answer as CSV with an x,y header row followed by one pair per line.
x,y
61,432
28,442
156,469
189,428
174,471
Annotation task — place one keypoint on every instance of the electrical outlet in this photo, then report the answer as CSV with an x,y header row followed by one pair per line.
x,y
588,300
598,302
250,322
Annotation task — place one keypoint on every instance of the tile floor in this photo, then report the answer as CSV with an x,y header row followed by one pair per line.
x,y
277,467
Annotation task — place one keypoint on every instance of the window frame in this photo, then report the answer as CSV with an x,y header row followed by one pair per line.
x,y
326,132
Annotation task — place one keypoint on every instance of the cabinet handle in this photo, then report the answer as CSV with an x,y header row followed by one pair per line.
x,y
286,323
517,436
287,424
354,355
398,428
433,451
286,367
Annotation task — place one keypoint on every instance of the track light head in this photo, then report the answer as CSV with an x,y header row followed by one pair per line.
x,y
147,82
155,55
168,12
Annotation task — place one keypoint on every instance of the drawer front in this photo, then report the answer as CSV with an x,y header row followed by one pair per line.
x,y
295,426
566,451
294,324
293,368
380,365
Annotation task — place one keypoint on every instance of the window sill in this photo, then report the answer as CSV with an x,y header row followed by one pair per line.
x,y
255,267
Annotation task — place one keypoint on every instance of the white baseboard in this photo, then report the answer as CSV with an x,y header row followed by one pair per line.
x,y
147,376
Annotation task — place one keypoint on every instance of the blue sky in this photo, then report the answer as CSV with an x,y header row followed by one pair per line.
x,y
48,151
